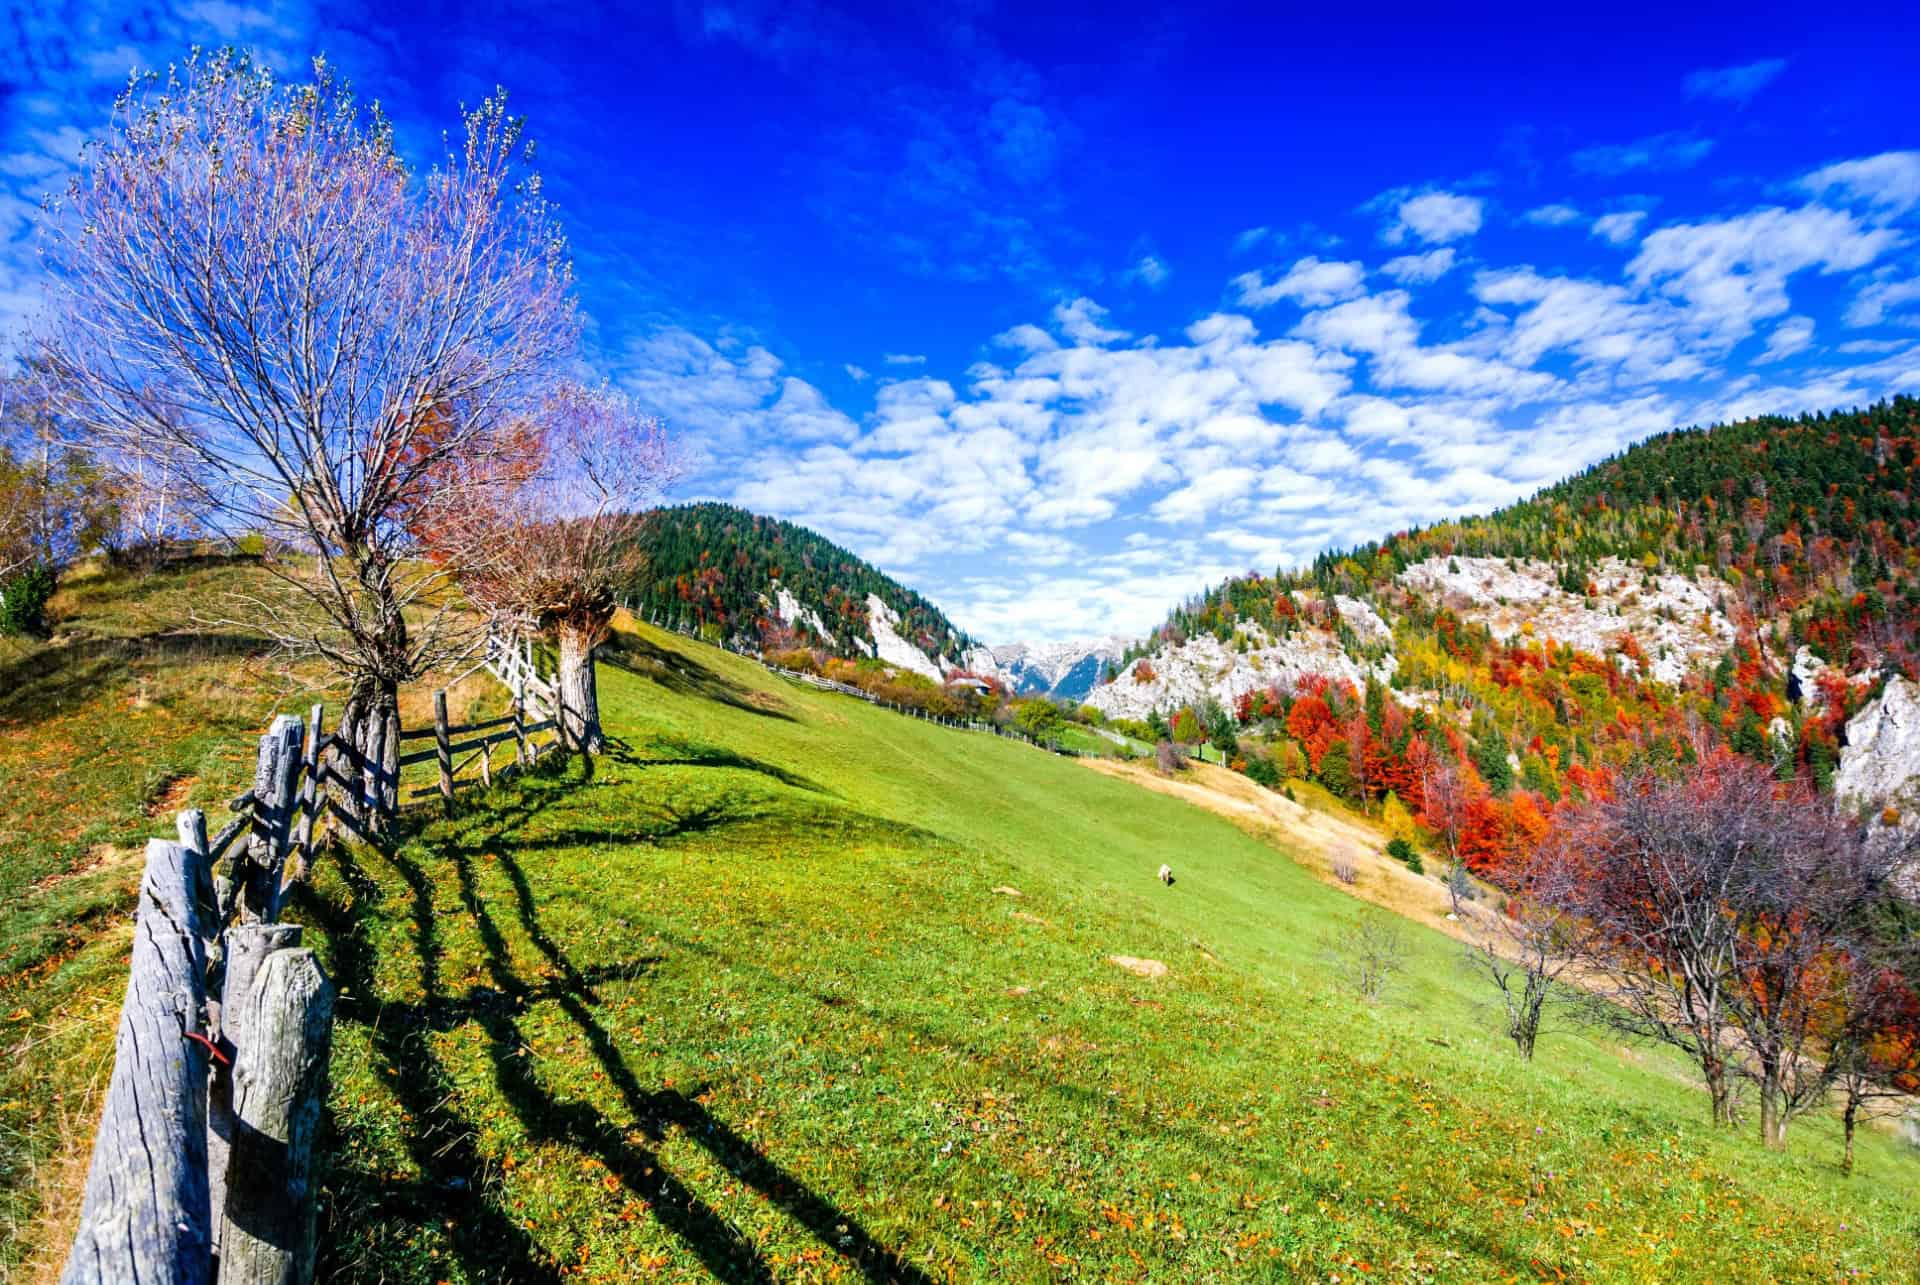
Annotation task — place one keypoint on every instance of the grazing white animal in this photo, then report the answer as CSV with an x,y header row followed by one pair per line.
x,y
1166,875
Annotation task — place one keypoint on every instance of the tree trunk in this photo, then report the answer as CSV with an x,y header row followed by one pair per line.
x,y
1848,1118
579,693
1718,1096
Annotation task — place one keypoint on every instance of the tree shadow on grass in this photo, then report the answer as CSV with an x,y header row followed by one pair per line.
x,y
441,1143
681,751
684,676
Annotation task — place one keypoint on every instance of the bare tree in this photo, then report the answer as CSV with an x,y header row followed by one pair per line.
x,y
246,276
1653,867
1368,950
554,543
1526,948
1720,903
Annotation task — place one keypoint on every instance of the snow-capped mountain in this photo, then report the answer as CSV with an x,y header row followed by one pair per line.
x,y
1064,670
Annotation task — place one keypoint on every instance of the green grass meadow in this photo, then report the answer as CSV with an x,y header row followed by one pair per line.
x,y
753,1003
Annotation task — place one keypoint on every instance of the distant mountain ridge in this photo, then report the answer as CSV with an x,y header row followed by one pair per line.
x,y
1067,671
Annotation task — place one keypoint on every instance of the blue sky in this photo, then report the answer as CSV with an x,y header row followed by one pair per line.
x,y
1060,319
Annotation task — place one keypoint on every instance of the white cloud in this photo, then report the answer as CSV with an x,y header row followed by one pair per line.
x,y
1079,320
1889,183
1310,282
1420,269
1618,228
1248,239
904,359
1789,337
1150,270
1871,306
1026,336
1732,273
1734,84
1672,151
857,374
1436,218
1552,216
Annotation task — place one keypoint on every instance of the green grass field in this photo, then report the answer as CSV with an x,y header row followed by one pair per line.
x,y
753,1004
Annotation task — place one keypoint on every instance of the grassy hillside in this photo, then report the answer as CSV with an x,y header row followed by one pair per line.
x,y
757,1003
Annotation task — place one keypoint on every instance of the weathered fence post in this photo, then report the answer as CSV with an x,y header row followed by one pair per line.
x,y
519,727
274,775
145,1215
443,749
309,801
248,946
192,827
280,1078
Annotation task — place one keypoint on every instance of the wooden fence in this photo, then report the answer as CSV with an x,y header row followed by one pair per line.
x,y
202,1163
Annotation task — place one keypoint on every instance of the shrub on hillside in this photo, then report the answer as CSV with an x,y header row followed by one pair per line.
x,y
1261,771
1406,854
23,601
1170,757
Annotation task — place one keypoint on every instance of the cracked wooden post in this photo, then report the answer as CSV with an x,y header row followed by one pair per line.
x,y
248,946
267,1234
146,1215
443,748
274,777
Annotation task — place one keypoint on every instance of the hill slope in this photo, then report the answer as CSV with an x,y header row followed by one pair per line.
x,y
756,1004
732,574
1759,580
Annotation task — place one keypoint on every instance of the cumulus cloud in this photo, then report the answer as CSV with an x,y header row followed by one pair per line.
x,y
1732,273
1671,151
1079,320
1436,218
1888,184
1879,298
1788,338
1618,228
1149,270
1734,84
1420,269
904,359
1310,282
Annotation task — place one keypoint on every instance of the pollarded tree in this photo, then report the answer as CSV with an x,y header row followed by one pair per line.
x,y
246,276
558,535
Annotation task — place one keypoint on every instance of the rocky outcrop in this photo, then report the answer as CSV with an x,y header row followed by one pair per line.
x,y
1879,776
890,647
1204,668
1676,620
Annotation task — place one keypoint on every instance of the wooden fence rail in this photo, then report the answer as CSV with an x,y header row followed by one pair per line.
x,y
202,1162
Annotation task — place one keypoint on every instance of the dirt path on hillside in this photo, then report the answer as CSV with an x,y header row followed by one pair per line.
x,y
1313,839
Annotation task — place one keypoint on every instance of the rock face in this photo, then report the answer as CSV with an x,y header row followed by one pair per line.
x,y
1879,774
1880,763
889,646
1205,668
1676,619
